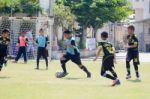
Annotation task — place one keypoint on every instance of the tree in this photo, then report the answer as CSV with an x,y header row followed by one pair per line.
x,y
62,16
11,7
94,13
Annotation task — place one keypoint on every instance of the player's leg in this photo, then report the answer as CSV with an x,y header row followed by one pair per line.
x,y
116,81
19,54
104,74
44,54
1,63
39,54
77,60
136,63
128,59
63,60
24,54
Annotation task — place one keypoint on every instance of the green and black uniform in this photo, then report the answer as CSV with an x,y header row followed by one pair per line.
x,y
108,60
4,42
72,54
132,54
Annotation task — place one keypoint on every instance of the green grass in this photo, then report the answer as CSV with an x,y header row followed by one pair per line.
x,y
21,81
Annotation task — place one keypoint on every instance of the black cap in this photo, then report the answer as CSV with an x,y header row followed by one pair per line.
x,y
5,31
67,32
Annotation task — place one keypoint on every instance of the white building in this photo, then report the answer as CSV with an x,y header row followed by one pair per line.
x,y
142,23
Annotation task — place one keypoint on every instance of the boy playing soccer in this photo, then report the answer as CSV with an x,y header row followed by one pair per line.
x,y
108,59
72,54
4,42
42,42
132,52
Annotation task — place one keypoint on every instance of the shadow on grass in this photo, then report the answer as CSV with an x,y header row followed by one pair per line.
x,y
4,77
72,78
135,81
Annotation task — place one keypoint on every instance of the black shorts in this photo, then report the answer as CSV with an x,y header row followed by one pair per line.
x,y
74,58
108,62
134,55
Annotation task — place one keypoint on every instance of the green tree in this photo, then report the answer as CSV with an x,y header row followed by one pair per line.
x,y
62,16
29,7
94,13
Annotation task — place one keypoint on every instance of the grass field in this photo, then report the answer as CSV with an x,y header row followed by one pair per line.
x,y
21,81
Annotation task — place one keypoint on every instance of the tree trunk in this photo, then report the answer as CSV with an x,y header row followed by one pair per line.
x,y
83,38
95,32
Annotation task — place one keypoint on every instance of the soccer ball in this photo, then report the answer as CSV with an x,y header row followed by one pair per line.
x,y
60,74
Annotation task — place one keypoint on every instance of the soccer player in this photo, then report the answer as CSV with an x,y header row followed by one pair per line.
x,y
42,41
108,59
4,42
72,54
132,52
22,44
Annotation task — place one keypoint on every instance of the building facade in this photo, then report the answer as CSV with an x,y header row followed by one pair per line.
x,y
142,23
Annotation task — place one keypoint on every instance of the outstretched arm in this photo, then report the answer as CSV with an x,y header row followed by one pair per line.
x,y
98,53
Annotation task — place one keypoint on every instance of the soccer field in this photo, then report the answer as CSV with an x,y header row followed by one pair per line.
x,y
21,81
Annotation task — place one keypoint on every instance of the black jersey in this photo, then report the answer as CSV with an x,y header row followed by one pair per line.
x,y
132,40
107,48
4,42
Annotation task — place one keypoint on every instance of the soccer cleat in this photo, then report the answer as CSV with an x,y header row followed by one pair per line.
x,y
116,82
5,63
46,68
128,77
37,68
14,61
138,78
61,74
88,75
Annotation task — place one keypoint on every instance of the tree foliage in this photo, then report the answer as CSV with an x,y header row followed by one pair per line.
x,y
29,7
94,13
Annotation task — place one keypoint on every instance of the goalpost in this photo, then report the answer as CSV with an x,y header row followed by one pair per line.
x,y
18,24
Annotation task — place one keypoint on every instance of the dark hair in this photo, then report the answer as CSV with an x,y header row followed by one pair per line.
x,y
131,27
41,30
104,35
67,32
5,31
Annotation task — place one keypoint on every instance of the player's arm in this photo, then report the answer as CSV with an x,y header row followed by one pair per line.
x,y
114,51
135,44
98,53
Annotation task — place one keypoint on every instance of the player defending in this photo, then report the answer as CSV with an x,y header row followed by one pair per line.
x,y
108,59
72,54
132,52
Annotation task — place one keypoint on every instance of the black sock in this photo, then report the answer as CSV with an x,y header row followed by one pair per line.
x,y
84,69
136,69
114,74
63,65
128,67
110,77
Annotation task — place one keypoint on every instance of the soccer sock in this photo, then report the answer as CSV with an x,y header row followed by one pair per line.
x,y
84,69
109,76
46,61
128,67
63,65
136,69
114,73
